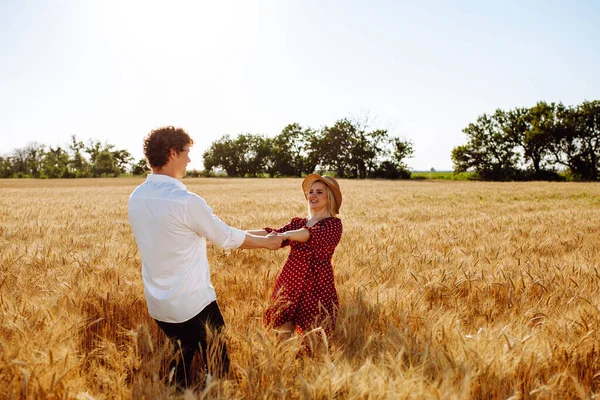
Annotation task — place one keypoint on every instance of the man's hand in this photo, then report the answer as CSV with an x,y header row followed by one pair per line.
x,y
274,240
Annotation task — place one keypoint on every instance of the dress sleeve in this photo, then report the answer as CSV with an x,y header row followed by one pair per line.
x,y
326,235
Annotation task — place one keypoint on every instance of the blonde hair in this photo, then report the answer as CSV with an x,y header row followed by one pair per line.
x,y
331,203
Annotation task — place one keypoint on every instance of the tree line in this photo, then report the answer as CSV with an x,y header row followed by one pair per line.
x,y
546,142
78,160
347,149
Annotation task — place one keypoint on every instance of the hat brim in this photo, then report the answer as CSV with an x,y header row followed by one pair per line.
x,y
312,178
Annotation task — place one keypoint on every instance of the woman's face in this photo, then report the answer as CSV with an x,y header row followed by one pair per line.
x,y
317,196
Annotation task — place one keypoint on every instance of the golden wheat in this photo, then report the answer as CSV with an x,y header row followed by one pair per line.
x,y
447,290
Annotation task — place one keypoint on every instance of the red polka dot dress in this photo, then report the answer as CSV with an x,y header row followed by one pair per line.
x,y
305,291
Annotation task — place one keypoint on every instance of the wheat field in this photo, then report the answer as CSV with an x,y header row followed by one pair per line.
x,y
451,290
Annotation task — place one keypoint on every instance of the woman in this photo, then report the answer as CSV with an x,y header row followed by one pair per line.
x,y
304,296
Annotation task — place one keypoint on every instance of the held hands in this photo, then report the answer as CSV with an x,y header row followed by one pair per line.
x,y
274,240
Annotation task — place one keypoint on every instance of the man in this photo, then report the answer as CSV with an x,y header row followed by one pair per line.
x,y
171,225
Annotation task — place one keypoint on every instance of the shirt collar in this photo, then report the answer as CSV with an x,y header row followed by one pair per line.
x,y
161,178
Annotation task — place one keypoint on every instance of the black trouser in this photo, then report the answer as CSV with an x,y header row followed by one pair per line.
x,y
191,336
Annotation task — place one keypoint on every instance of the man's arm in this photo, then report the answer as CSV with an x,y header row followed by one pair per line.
x,y
259,232
262,242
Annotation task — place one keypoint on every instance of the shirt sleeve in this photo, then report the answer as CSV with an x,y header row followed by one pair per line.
x,y
326,235
201,220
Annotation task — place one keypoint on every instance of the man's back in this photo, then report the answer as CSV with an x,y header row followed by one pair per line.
x,y
170,225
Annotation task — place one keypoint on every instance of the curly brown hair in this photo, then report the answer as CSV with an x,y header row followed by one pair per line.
x,y
159,143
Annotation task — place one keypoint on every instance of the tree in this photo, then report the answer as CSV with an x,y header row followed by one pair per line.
x,y
56,163
94,148
350,150
255,151
535,127
248,154
34,154
262,160
26,161
291,149
363,152
224,154
334,146
140,167
401,149
587,135
35,161
282,157
573,146
392,165
6,167
369,149
534,143
18,159
491,150
345,148
78,163
122,159
104,164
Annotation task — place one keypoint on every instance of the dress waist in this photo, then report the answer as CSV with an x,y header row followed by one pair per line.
x,y
313,255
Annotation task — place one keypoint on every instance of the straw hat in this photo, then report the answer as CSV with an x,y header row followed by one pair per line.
x,y
327,180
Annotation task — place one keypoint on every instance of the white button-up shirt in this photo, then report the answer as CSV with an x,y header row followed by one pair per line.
x,y
171,225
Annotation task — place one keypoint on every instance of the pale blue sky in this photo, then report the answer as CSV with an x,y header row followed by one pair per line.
x,y
113,70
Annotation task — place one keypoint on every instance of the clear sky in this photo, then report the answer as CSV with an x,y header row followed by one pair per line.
x,y
114,70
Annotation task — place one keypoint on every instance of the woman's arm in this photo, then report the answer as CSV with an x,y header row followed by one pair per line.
x,y
258,232
299,235
261,242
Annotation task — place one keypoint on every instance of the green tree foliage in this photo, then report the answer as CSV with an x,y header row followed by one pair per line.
x,y
335,147
582,133
18,159
224,153
94,148
140,167
122,160
34,154
246,155
401,150
104,164
27,161
534,143
80,166
37,161
345,149
536,128
290,151
6,167
491,149
56,163
256,154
